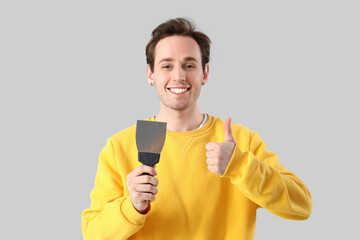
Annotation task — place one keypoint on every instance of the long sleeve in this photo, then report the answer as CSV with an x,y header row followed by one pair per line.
x,y
260,177
111,214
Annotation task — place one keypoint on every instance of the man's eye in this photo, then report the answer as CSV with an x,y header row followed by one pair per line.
x,y
166,66
189,66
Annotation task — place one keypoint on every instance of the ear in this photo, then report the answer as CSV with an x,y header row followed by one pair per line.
x,y
205,74
150,75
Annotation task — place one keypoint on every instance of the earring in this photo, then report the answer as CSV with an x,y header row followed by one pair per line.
x,y
152,84
202,84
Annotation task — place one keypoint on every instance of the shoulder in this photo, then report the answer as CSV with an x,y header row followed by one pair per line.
x,y
242,134
235,127
124,137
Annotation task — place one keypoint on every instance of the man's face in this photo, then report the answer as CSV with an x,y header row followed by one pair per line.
x,y
178,73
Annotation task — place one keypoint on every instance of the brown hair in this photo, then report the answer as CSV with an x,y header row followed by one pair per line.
x,y
181,27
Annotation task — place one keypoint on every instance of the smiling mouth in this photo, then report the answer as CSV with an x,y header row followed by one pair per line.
x,y
178,90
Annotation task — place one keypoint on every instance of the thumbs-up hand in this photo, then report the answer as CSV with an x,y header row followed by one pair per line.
x,y
219,153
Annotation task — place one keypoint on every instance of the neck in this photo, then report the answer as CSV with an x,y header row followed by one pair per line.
x,y
180,120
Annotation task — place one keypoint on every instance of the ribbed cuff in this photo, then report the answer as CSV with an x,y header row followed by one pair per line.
x,y
131,214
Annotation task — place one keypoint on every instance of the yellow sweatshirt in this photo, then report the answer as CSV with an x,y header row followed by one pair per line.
x,y
192,202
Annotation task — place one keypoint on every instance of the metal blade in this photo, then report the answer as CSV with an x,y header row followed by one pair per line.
x,y
150,136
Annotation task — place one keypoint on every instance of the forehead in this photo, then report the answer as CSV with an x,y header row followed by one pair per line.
x,y
178,48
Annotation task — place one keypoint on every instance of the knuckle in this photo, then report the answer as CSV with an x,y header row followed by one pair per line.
x,y
156,181
140,168
129,177
151,197
129,183
148,188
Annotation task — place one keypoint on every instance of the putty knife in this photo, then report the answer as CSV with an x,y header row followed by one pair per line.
x,y
150,138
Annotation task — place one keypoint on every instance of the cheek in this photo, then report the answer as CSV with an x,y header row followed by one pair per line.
x,y
196,76
161,78
160,88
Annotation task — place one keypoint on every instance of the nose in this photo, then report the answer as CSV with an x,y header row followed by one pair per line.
x,y
178,74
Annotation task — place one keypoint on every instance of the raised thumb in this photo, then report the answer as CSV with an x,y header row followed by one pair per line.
x,y
228,132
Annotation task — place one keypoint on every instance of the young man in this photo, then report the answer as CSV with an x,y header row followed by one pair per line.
x,y
212,175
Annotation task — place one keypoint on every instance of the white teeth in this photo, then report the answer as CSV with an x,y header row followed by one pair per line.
x,y
178,90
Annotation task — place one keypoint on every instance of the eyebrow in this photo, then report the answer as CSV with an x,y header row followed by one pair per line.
x,y
190,59
166,60
171,59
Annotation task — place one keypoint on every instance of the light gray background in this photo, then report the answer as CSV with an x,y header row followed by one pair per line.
x,y
73,73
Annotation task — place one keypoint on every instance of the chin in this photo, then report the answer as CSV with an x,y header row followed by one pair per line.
x,y
179,107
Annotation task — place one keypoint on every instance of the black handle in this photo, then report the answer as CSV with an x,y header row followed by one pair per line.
x,y
148,159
